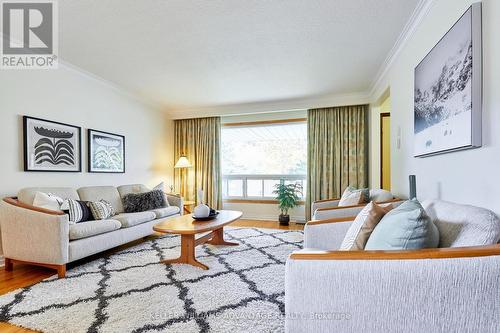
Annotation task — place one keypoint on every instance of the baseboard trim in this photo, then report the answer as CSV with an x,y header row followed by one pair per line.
x,y
296,219
2,262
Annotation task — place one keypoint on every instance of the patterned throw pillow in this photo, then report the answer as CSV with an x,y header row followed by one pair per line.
x,y
101,209
77,210
352,196
363,225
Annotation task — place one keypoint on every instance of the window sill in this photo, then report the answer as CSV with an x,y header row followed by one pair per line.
x,y
255,201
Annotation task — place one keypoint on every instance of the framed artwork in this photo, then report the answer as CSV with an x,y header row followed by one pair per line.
x,y
51,146
106,152
448,90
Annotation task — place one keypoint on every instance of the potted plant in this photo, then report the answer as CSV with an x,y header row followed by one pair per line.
x,y
287,196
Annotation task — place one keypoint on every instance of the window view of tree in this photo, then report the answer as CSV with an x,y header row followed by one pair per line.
x,y
265,150
256,158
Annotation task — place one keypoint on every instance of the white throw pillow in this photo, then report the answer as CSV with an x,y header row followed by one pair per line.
x,y
47,201
161,187
353,197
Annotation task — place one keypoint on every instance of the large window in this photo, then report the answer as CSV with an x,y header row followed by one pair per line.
x,y
256,157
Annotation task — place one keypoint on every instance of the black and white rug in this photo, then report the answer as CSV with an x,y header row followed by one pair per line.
x,y
130,291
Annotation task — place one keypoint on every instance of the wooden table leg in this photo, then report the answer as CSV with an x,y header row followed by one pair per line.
x,y
188,244
218,238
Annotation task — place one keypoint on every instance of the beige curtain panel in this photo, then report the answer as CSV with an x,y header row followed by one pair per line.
x,y
337,151
199,140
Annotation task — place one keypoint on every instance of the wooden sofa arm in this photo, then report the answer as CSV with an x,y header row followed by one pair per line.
x,y
360,205
334,220
440,253
14,201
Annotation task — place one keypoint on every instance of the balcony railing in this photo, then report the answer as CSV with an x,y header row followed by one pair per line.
x,y
257,187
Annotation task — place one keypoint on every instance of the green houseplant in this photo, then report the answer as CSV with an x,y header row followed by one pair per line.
x,y
288,197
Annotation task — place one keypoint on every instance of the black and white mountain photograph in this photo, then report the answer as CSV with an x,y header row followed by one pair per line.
x,y
444,92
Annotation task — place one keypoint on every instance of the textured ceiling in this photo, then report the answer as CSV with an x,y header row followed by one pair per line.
x,y
188,54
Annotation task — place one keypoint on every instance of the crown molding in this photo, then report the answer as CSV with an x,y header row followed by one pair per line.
x,y
116,87
367,96
271,106
416,18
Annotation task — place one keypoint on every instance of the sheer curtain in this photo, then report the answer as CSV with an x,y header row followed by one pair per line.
x,y
199,140
337,151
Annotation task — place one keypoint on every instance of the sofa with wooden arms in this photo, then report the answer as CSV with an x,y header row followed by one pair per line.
x,y
330,209
453,288
44,237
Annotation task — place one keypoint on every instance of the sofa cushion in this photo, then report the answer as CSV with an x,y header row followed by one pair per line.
x,y
27,195
130,219
167,211
463,225
380,195
132,188
98,193
92,228
406,227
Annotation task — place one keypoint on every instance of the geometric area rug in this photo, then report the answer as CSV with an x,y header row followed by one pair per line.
x,y
130,291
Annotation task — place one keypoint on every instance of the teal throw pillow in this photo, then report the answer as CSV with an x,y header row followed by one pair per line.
x,y
405,227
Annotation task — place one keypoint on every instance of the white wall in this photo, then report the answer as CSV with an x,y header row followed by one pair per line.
x,y
469,176
69,96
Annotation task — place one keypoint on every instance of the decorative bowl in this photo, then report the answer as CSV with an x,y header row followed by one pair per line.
x,y
213,214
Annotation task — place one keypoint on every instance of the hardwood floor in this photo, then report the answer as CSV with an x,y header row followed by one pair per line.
x,y
26,275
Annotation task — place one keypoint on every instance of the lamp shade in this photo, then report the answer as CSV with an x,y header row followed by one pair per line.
x,y
183,162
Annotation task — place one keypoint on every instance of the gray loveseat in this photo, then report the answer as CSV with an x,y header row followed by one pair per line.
x,y
44,237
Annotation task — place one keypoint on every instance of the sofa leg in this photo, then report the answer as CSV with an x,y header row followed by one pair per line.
x,y
61,271
9,265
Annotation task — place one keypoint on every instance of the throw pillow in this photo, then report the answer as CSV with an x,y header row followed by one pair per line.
x,y
380,195
363,225
141,202
352,196
405,227
77,210
161,187
101,209
47,201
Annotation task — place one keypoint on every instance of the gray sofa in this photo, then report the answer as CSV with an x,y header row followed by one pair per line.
x,y
454,288
44,237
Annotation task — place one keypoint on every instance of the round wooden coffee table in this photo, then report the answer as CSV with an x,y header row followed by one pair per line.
x,y
187,228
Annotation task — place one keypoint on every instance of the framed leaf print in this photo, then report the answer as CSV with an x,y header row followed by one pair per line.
x,y
106,152
51,146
